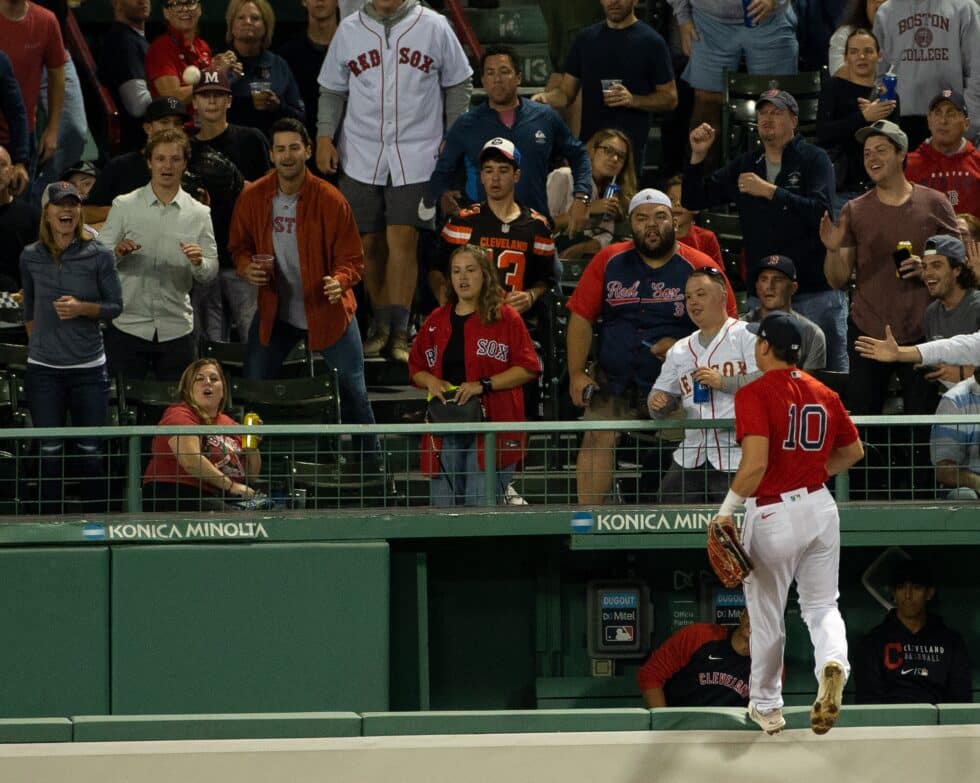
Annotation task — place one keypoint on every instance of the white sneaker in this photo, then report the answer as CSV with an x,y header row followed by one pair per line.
x,y
512,497
771,722
826,709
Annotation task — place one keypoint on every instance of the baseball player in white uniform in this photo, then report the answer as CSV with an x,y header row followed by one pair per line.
x,y
720,356
405,79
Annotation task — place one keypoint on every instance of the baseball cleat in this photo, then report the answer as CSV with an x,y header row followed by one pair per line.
x,y
771,722
826,709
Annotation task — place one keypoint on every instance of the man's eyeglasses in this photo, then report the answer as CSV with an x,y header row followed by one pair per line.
x,y
183,4
612,152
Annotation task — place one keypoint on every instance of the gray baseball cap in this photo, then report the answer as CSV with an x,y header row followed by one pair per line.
x,y
950,247
887,129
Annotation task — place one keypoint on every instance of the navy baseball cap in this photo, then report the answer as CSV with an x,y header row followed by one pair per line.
x,y
779,329
953,97
782,264
82,167
913,572
165,106
500,146
58,193
950,247
779,98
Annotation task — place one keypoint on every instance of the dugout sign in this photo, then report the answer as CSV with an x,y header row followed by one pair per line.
x,y
620,619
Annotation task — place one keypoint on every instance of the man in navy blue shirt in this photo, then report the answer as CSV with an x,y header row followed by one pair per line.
x,y
536,130
622,65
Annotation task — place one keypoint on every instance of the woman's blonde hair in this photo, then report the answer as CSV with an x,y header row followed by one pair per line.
x,y
627,177
186,386
265,11
491,294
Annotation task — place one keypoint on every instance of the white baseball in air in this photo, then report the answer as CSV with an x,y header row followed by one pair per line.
x,y
191,75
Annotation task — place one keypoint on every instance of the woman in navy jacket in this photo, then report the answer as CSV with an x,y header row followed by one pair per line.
x,y
70,283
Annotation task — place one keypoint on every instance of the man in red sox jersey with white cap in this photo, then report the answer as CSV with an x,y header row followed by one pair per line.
x,y
405,78
794,434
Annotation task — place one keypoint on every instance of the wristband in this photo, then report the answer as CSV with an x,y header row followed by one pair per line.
x,y
730,503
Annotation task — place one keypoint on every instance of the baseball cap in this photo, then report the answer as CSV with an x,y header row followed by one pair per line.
x,y
780,98
950,247
778,329
913,572
782,264
165,106
952,97
82,167
212,80
58,193
503,147
887,129
649,196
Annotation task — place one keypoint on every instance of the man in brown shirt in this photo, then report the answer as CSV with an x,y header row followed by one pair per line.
x,y
887,291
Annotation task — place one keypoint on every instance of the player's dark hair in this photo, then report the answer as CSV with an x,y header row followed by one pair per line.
x,y
498,50
787,355
491,294
290,125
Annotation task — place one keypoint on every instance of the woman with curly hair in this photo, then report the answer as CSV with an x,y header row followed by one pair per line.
x,y
199,472
611,155
475,346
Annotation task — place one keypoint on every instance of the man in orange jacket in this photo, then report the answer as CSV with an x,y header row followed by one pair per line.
x,y
293,236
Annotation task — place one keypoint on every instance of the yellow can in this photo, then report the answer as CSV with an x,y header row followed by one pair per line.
x,y
251,441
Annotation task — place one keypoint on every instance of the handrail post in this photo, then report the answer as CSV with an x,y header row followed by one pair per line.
x,y
842,486
490,466
134,473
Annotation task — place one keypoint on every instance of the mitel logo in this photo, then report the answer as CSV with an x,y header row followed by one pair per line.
x,y
93,531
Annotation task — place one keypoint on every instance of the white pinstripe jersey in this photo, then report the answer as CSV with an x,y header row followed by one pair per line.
x,y
394,82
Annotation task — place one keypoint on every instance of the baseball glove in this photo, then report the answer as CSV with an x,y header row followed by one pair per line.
x,y
728,558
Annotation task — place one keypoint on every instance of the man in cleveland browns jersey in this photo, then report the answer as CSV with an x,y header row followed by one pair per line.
x,y
794,433
517,238
701,665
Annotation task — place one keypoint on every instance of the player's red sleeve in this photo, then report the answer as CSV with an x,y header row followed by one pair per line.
x,y
586,300
674,654
750,413
697,260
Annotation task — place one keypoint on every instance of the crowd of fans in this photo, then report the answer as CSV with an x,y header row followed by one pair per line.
x,y
220,219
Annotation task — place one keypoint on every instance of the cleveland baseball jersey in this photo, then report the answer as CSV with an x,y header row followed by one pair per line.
x,y
697,667
731,352
394,80
803,420
522,250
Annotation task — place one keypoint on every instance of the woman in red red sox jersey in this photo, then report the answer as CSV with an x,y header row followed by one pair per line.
x,y
481,346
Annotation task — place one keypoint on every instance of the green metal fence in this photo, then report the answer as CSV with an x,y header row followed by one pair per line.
x,y
318,467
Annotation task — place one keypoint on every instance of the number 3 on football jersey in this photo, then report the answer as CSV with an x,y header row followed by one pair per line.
x,y
514,280
807,428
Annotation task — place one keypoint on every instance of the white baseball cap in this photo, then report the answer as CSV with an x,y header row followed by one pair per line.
x,y
649,196
504,147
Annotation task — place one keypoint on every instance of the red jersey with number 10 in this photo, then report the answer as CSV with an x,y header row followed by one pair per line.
x,y
803,420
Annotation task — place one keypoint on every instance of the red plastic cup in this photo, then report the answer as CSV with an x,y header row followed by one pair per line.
x,y
267,264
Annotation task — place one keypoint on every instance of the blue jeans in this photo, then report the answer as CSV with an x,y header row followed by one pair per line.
x,y
72,131
828,310
52,394
345,355
460,481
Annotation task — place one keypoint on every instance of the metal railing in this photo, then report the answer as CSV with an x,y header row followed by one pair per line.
x,y
320,466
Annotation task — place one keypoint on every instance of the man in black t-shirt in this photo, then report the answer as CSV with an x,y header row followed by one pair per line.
x,y
121,68
247,150
127,172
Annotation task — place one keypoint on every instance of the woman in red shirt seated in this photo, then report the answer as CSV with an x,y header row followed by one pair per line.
x,y
199,472
479,347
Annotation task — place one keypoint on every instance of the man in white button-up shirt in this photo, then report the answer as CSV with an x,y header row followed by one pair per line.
x,y
163,241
